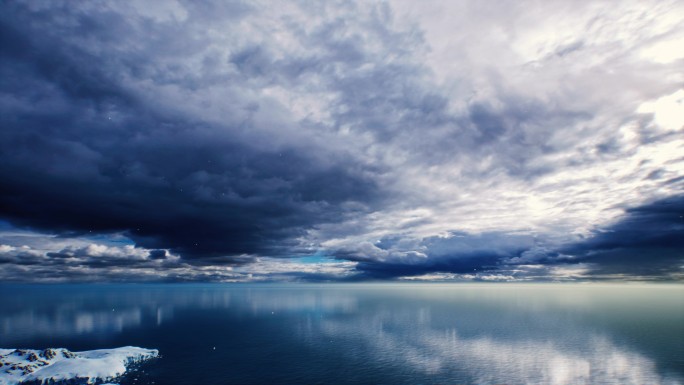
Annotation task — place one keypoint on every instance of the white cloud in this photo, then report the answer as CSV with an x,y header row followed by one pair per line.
x,y
281,269
437,277
668,110
569,84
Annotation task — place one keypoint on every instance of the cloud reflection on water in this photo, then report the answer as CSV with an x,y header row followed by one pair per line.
x,y
487,360
37,313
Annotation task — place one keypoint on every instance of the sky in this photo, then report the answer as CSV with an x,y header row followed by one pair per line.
x,y
232,141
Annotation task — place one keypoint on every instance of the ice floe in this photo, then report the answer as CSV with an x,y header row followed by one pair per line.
x,y
61,366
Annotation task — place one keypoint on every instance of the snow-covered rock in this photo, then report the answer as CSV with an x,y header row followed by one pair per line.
x,y
61,366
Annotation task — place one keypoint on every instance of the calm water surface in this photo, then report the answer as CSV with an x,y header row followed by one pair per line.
x,y
369,334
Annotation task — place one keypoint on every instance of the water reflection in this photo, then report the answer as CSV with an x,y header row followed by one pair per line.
x,y
397,334
411,339
30,312
66,322
82,310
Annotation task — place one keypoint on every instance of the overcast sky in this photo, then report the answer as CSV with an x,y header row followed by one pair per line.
x,y
341,140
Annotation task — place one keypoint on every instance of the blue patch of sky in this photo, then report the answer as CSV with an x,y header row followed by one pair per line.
x,y
316,258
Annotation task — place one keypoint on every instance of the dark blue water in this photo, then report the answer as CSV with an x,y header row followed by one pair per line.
x,y
368,334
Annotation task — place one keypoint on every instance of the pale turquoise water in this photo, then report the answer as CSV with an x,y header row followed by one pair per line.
x,y
375,334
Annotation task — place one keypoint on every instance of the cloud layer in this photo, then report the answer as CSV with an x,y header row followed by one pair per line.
x,y
390,139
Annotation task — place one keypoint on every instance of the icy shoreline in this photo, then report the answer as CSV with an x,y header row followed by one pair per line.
x,y
61,366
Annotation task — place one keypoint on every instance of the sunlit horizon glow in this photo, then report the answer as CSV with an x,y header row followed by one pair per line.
x,y
342,142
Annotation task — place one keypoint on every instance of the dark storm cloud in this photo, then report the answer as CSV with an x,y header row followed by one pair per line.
x,y
86,150
157,254
463,265
648,241
83,153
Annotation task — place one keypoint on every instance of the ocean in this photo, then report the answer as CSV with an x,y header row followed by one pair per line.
x,y
389,333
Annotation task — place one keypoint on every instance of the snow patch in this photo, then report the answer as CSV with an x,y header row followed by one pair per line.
x,y
61,366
